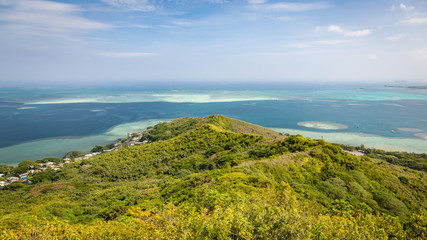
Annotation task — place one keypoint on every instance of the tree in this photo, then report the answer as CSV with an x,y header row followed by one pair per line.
x,y
97,148
72,154
25,166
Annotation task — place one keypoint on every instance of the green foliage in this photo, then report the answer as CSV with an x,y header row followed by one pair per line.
x,y
45,176
6,170
218,178
97,148
25,166
359,192
73,154
390,203
109,146
50,159
411,160
360,178
163,131
331,190
416,226
403,179
13,186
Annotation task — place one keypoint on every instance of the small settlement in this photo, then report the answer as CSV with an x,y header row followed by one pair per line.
x,y
132,139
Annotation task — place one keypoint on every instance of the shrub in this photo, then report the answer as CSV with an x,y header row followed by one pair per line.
x,y
358,191
332,191
390,203
404,180
360,178
44,177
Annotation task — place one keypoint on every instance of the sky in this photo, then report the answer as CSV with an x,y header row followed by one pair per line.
x,y
123,41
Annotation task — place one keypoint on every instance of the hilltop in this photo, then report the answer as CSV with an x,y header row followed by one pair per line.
x,y
219,178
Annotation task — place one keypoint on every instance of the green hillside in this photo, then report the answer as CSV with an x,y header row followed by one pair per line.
x,y
219,178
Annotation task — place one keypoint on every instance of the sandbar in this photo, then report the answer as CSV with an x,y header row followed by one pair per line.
x,y
417,145
322,125
421,135
409,129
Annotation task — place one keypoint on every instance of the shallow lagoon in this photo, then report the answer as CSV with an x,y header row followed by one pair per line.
x,y
78,120
57,147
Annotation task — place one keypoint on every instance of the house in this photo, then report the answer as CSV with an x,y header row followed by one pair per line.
x,y
67,159
2,184
77,159
12,179
1,175
24,177
50,163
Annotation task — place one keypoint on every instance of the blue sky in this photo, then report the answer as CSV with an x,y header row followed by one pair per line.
x,y
115,41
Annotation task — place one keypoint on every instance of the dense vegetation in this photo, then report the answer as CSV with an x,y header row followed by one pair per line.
x,y
417,161
219,178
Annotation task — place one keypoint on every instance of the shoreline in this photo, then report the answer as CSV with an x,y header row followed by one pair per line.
x,y
400,144
110,129
60,145
57,147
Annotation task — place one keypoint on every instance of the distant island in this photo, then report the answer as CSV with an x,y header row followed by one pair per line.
x,y
412,87
216,178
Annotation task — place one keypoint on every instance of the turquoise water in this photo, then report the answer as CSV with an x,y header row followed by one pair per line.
x,y
39,123
59,146
124,95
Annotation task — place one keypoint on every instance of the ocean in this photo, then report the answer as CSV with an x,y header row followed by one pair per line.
x,y
49,122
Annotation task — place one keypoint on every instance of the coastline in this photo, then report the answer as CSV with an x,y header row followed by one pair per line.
x,y
59,146
416,145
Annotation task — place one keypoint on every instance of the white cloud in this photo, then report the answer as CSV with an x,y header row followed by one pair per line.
x,y
182,22
135,5
406,8
257,1
346,33
143,26
332,42
395,37
286,6
126,54
419,53
284,18
414,21
373,57
299,45
46,17
44,27
218,1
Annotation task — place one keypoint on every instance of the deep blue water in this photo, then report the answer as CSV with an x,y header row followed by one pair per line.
x,y
77,119
36,114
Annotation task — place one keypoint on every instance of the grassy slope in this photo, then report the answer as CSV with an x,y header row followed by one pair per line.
x,y
217,177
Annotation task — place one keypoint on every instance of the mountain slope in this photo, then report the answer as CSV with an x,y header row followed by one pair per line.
x,y
217,177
